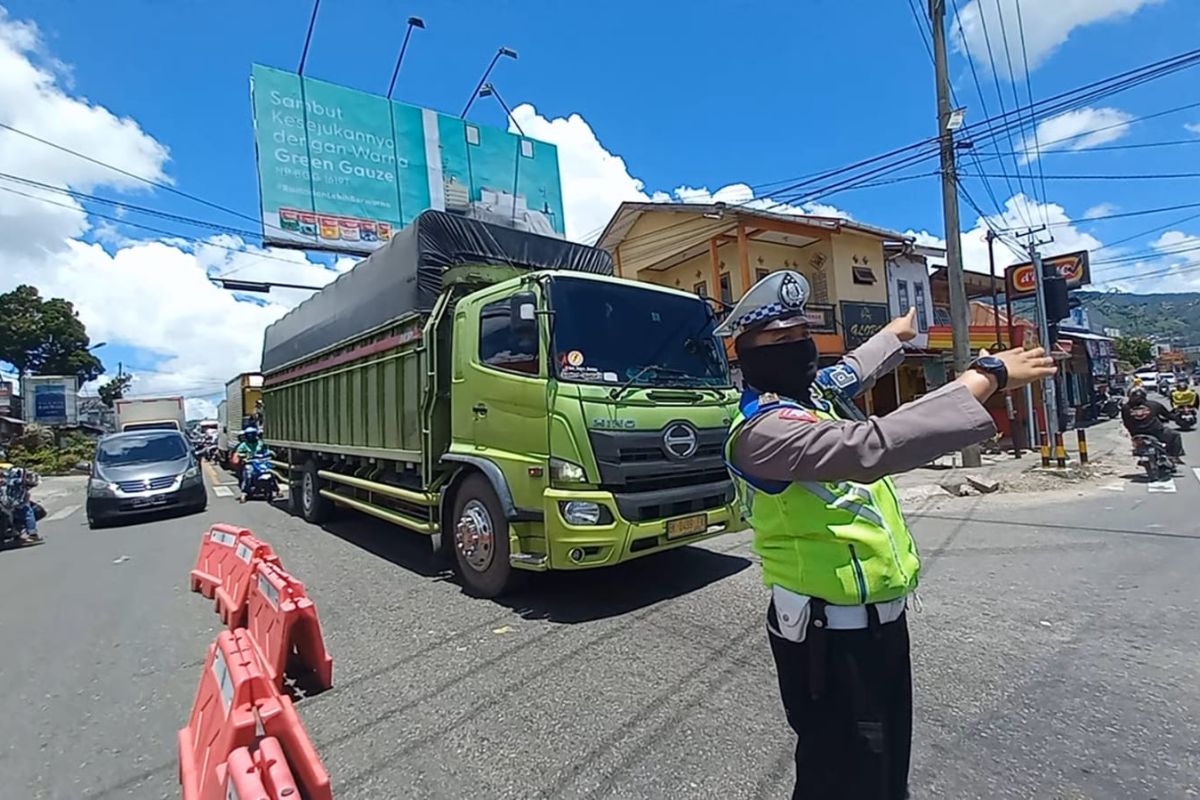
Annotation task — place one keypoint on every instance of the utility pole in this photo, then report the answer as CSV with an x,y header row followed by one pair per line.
x,y
1049,388
959,321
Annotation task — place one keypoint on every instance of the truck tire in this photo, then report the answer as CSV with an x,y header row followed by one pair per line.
x,y
479,532
313,507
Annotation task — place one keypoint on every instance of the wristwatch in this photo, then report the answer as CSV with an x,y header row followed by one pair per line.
x,y
994,367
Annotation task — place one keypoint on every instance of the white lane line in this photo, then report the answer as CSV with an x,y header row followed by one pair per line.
x,y
1196,472
222,491
1113,487
1167,486
62,513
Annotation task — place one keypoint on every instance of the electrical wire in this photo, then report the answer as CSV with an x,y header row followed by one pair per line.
x,y
1033,124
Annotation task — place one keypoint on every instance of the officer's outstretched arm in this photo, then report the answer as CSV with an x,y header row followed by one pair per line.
x,y
860,368
792,444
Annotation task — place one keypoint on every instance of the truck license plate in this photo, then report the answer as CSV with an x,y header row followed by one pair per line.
x,y
687,526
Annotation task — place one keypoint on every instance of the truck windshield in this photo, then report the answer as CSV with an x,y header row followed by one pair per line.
x,y
610,333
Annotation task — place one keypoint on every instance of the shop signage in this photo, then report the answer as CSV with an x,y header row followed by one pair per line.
x,y
820,318
1021,281
861,321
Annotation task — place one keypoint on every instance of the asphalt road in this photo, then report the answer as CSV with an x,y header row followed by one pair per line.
x,y
1055,657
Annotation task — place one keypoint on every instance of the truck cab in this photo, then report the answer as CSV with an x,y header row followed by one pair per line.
x,y
604,405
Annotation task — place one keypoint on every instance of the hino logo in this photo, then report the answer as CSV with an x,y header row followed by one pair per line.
x,y
613,424
680,441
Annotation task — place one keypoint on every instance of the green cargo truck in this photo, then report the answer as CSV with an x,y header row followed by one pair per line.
x,y
504,394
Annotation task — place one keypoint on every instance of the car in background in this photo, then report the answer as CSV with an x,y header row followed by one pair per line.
x,y
1166,382
1147,378
135,472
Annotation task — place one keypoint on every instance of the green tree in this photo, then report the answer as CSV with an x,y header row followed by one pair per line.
x,y
113,390
40,336
1134,349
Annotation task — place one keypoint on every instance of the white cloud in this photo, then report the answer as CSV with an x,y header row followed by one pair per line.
x,y
1192,127
1019,211
153,296
200,408
1080,129
1047,25
1174,268
595,181
1101,210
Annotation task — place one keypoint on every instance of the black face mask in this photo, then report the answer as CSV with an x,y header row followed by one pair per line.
x,y
786,368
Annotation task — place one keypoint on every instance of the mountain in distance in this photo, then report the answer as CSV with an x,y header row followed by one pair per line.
x,y
1170,316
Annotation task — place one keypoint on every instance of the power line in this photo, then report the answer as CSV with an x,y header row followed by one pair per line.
x,y
1110,177
1032,118
148,181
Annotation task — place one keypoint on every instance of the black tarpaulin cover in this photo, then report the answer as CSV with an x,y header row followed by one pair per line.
x,y
406,274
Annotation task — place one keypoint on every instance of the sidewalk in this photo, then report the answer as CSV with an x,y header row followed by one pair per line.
x,y
1107,442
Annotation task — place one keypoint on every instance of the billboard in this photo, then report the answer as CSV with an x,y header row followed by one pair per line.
x,y
52,399
1021,280
342,170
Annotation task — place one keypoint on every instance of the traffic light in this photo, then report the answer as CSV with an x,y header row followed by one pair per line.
x,y
1057,303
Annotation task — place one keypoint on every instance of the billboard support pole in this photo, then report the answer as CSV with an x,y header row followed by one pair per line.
x,y
312,188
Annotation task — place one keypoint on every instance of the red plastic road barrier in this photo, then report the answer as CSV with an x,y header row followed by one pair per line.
x,y
217,551
261,775
223,714
280,720
230,596
283,621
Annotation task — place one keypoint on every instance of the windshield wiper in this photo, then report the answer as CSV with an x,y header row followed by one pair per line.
x,y
616,393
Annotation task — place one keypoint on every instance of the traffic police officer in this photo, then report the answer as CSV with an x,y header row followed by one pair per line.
x,y
811,474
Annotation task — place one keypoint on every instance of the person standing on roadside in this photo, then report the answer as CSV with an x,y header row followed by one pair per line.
x,y
811,475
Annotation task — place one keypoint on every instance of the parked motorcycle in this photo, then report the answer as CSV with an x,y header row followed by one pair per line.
x,y
1185,417
263,483
1152,456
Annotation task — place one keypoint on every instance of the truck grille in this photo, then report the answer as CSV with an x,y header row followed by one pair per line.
x,y
652,483
153,484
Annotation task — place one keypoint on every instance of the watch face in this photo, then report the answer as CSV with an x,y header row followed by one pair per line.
x,y
989,362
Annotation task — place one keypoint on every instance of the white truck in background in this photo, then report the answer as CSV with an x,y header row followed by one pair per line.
x,y
151,413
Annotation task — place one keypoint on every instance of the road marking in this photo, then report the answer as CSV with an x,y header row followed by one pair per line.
x,y
222,491
1113,487
62,513
1167,486
1196,472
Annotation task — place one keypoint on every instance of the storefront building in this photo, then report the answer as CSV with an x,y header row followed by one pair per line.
x,y
721,251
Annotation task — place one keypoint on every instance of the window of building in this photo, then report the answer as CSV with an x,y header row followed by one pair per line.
x,y
726,288
701,288
759,274
527,148
922,318
472,134
902,296
864,275
502,347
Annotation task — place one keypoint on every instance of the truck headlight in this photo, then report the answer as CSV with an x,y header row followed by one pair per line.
x,y
99,486
581,512
566,472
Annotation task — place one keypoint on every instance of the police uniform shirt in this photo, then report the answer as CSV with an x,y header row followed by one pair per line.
x,y
784,446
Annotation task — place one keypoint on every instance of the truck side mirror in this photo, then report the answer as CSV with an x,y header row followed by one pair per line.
x,y
523,313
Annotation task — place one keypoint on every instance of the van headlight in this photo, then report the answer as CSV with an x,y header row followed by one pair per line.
x,y
192,471
99,486
566,472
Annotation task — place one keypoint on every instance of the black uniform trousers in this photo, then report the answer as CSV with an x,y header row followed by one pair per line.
x,y
848,697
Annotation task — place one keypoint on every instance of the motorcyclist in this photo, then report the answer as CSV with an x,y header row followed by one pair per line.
x,y
1184,396
1145,417
250,447
17,483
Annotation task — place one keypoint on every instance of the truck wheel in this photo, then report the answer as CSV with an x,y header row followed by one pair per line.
x,y
480,537
313,507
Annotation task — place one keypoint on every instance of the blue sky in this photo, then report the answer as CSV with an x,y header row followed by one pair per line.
x,y
696,94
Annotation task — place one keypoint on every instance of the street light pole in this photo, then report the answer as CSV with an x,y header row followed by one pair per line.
x,y
947,122
413,22
503,51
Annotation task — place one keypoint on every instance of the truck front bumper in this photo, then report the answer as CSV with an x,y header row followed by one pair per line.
x,y
615,538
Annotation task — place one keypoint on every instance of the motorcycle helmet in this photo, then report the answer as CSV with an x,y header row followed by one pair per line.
x,y
1137,395
1183,382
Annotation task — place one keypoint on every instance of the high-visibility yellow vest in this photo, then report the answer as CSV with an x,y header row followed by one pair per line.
x,y
845,542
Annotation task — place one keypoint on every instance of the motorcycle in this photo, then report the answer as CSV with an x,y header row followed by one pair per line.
x,y
1185,417
263,483
1152,456
1111,406
12,523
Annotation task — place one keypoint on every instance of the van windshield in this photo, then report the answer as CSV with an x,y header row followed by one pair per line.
x,y
141,448
610,333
